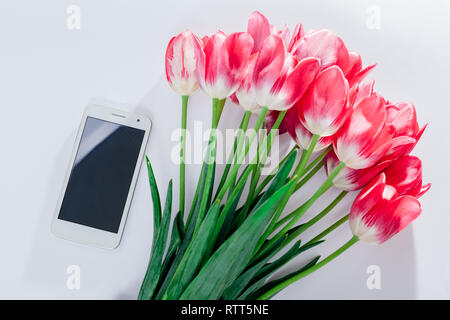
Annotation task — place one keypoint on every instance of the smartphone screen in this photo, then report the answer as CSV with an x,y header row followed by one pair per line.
x,y
101,175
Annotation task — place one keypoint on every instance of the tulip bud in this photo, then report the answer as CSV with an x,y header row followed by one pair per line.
x,y
301,136
403,120
331,50
364,138
221,72
246,95
352,179
323,109
279,78
183,53
378,212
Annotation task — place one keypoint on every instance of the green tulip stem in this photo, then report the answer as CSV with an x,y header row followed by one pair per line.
x,y
184,105
240,155
318,217
304,208
260,159
270,293
295,177
242,129
328,230
312,168
210,158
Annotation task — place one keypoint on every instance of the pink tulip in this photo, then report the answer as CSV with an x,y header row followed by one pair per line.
x,y
331,50
352,179
245,96
279,78
300,134
364,138
405,174
220,73
403,119
260,28
321,44
183,54
324,108
379,212
273,72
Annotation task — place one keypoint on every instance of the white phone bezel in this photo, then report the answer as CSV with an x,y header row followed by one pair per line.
x,y
88,235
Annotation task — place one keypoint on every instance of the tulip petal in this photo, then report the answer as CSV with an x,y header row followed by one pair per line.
x,y
364,90
324,107
303,138
343,57
369,196
268,67
246,96
397,214
233,59
282,33
405,120
259,28
353,179
420,133
405,174
298,81
207,72
296,36
379,147
361,75
321,44
300,134
399,146
360,136
424,190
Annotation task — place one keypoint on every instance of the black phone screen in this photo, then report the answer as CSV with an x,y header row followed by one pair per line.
x,y
101,175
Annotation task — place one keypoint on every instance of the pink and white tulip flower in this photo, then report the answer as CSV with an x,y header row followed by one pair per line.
x,y
389,202
183,54
331,50
260,28
352,179
378,212
220,73
279,78
403,119
364,138
245,96
300,134
324,108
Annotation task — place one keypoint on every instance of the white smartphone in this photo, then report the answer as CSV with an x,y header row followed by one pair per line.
x,y
99,184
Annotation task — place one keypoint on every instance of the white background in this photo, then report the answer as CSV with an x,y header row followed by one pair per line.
x,y
48,74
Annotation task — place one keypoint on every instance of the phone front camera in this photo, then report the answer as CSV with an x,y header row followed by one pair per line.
x,y
138,120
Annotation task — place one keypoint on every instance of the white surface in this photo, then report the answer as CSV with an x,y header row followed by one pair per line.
x,y
49,73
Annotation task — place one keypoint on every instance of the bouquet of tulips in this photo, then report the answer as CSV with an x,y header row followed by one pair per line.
x,y
230,244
